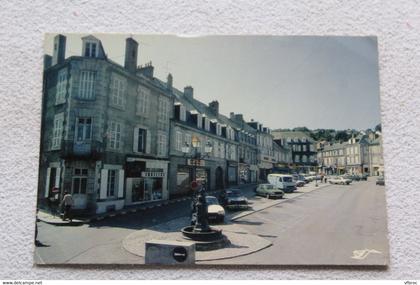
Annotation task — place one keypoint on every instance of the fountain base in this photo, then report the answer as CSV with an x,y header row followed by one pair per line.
x,y
205,240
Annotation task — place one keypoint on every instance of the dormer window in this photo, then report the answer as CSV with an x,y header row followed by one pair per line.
x,y
91,49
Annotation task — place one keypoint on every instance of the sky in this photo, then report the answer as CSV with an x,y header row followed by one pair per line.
x,y
279,81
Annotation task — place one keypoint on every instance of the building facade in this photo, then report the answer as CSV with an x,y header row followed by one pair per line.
x,y
99,124
304,155
361,154
198,130
266,158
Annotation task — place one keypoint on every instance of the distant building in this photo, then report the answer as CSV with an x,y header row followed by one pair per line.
x,y
266,158
375,156
247,151
361,154
304,155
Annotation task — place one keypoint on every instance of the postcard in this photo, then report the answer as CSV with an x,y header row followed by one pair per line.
x,y
224,150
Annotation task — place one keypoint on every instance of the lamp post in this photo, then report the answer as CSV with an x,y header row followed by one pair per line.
x,y
199,207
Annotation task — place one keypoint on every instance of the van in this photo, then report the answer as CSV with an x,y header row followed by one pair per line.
x,y
282,181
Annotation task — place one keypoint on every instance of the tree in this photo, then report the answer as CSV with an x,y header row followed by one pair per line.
x,y
342,136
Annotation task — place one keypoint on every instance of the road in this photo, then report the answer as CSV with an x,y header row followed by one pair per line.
x,y
324,226
340,225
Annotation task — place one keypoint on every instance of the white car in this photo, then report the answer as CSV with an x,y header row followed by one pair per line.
x,y
340,180
215,212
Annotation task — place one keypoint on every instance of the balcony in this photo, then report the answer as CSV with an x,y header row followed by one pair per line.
x,y
83,150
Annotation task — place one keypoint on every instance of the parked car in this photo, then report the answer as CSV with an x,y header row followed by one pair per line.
x,y
299,180
340,180
215,212
364,177
282,181
269,191
380,181
234,200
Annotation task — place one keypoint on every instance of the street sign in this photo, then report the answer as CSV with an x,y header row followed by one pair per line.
x,y
194,185
180,254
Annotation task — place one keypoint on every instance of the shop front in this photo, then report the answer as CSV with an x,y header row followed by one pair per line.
x,y
232,173
184,177
146,180
244,173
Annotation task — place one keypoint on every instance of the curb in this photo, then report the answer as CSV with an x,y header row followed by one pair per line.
x,y
272,205
126,211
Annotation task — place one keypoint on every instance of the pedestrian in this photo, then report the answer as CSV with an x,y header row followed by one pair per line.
x,y
67,202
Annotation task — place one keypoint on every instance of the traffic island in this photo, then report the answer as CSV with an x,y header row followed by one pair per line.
x,y
240,242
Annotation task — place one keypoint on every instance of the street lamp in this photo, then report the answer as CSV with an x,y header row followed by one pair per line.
x,y
199,229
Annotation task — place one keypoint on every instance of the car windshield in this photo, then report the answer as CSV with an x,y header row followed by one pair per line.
x,y
287,179
269,186
211,200
234,193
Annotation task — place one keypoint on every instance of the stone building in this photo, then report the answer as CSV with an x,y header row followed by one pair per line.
x,y
375,160
198,128
104,129
265,156
247,149
332,158
304,155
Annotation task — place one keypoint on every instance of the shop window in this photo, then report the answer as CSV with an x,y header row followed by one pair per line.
x,y
146,189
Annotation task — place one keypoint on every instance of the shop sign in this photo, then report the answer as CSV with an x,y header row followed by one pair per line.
x,y
153,172
196,162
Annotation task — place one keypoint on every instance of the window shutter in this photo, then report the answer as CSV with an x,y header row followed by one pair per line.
x,y
47,183
145,139
104,184
57,177
136,140
120,183
148,142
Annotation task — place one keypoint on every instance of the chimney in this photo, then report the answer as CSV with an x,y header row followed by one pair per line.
x,y
239,117
146,70
188,91
232,115
47,61
214,106
131,50
169,81
59,51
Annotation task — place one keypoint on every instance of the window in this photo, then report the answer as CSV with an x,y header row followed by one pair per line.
x,y
117,91
199,121
80,177
60,96
188,139
83,129
206,124
115,135
218,129
178,141
163,113
142,101
183,113
57,131
91,49
87,84
141,140
112,183
161,144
